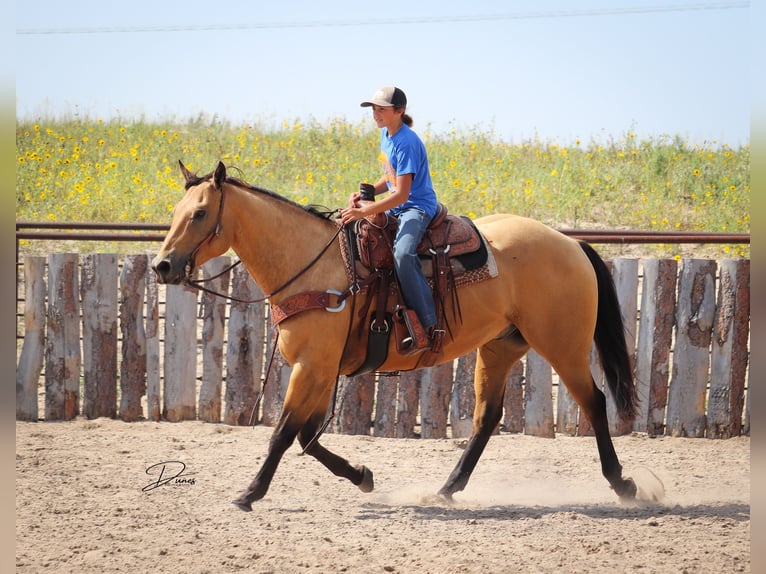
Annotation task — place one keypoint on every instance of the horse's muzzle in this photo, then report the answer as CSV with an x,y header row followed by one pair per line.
x,y
167,272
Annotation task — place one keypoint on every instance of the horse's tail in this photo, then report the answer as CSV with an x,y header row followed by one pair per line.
x,y
610,339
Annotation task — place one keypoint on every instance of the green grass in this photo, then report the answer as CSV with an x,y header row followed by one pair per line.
x,y
83,170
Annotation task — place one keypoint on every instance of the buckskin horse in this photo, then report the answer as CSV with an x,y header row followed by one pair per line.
x,y
550,293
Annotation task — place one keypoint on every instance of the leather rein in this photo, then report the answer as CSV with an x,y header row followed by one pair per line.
x,y
319,300
198,283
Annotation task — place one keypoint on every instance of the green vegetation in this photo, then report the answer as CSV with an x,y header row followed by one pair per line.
x,y
94,170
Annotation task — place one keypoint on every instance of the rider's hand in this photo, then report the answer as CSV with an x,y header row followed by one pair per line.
x,y
353,200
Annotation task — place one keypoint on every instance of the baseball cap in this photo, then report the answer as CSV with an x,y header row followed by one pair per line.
x,y
387,96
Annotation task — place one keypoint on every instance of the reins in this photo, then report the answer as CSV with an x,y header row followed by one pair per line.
x,y
198,285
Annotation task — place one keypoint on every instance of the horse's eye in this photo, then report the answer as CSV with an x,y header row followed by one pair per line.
x,y
199,215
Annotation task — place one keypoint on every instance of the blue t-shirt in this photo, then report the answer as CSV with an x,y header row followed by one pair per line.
x,y
405,153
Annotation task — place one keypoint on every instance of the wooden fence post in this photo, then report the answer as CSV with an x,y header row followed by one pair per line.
x,y
180,356
655,335
353,413
584,428
538,399
463,397
625,276
33,349
385,406
407,404
133,364
691,359
513,402
746,426
435,391
98,287
62,345
153,387
276,385
567,411
214,315
244,351
729,357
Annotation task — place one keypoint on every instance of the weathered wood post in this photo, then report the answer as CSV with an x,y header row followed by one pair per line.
x,y
584,428
463,397
407,404
353,413
276,384
180,356
567,411
153,387
133,364
538,398
33,349
244,351
746,424
625,276
435,391
385,406
213,319
730,355
62,344
655,335
98,288
695,313
513,402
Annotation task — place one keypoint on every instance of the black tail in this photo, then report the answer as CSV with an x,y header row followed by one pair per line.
x,y
610,339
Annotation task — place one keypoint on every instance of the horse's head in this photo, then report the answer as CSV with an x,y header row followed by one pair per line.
x,y
195,234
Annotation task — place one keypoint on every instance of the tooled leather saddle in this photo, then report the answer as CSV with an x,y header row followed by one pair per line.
x,y
450,248
456,236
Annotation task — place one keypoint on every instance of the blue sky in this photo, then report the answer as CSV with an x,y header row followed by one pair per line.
x,y
553,69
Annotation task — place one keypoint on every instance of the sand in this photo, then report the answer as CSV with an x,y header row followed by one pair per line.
x,y
84,504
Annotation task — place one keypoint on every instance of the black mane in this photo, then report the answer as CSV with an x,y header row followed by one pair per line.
x,y
315,210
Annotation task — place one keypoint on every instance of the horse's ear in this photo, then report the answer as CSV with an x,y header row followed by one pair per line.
x,y
186,173
220,174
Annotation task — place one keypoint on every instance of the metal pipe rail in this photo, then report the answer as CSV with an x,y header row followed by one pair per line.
x,y
94,231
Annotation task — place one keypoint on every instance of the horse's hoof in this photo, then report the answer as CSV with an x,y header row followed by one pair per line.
x,y
242,503
445,495
627,490
367,483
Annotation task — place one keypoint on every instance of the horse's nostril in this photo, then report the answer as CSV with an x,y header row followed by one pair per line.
x,y
162,268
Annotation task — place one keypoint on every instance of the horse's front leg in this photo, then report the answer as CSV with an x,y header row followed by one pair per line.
x,y
301,401
281,439
359,475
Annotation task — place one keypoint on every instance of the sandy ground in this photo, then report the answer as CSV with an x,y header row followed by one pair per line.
x,y
532,505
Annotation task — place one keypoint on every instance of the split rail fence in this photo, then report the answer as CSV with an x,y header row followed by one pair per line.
x,y
102,339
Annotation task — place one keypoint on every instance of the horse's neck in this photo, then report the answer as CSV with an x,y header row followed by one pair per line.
x,y
275,239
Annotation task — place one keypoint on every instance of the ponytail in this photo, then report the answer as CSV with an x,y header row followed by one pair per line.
x,y
407,119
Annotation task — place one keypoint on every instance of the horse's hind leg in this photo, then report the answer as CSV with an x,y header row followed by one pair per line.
x,y
592,402
493,363
360,475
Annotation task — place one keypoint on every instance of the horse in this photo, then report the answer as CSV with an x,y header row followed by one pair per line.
x,y
551,293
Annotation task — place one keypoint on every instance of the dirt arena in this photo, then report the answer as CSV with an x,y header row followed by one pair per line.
x,y
85,503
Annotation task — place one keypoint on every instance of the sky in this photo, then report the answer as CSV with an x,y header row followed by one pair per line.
x,y
554,70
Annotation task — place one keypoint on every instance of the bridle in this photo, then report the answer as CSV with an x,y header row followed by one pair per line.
x,y
197,284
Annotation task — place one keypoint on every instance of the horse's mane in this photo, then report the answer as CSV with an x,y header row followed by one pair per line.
x,y
315,210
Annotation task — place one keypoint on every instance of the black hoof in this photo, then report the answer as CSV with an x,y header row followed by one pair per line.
x,y
367,484
445,495
627,490
243,504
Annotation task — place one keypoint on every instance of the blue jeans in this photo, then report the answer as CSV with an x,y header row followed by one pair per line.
x,y
415,289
